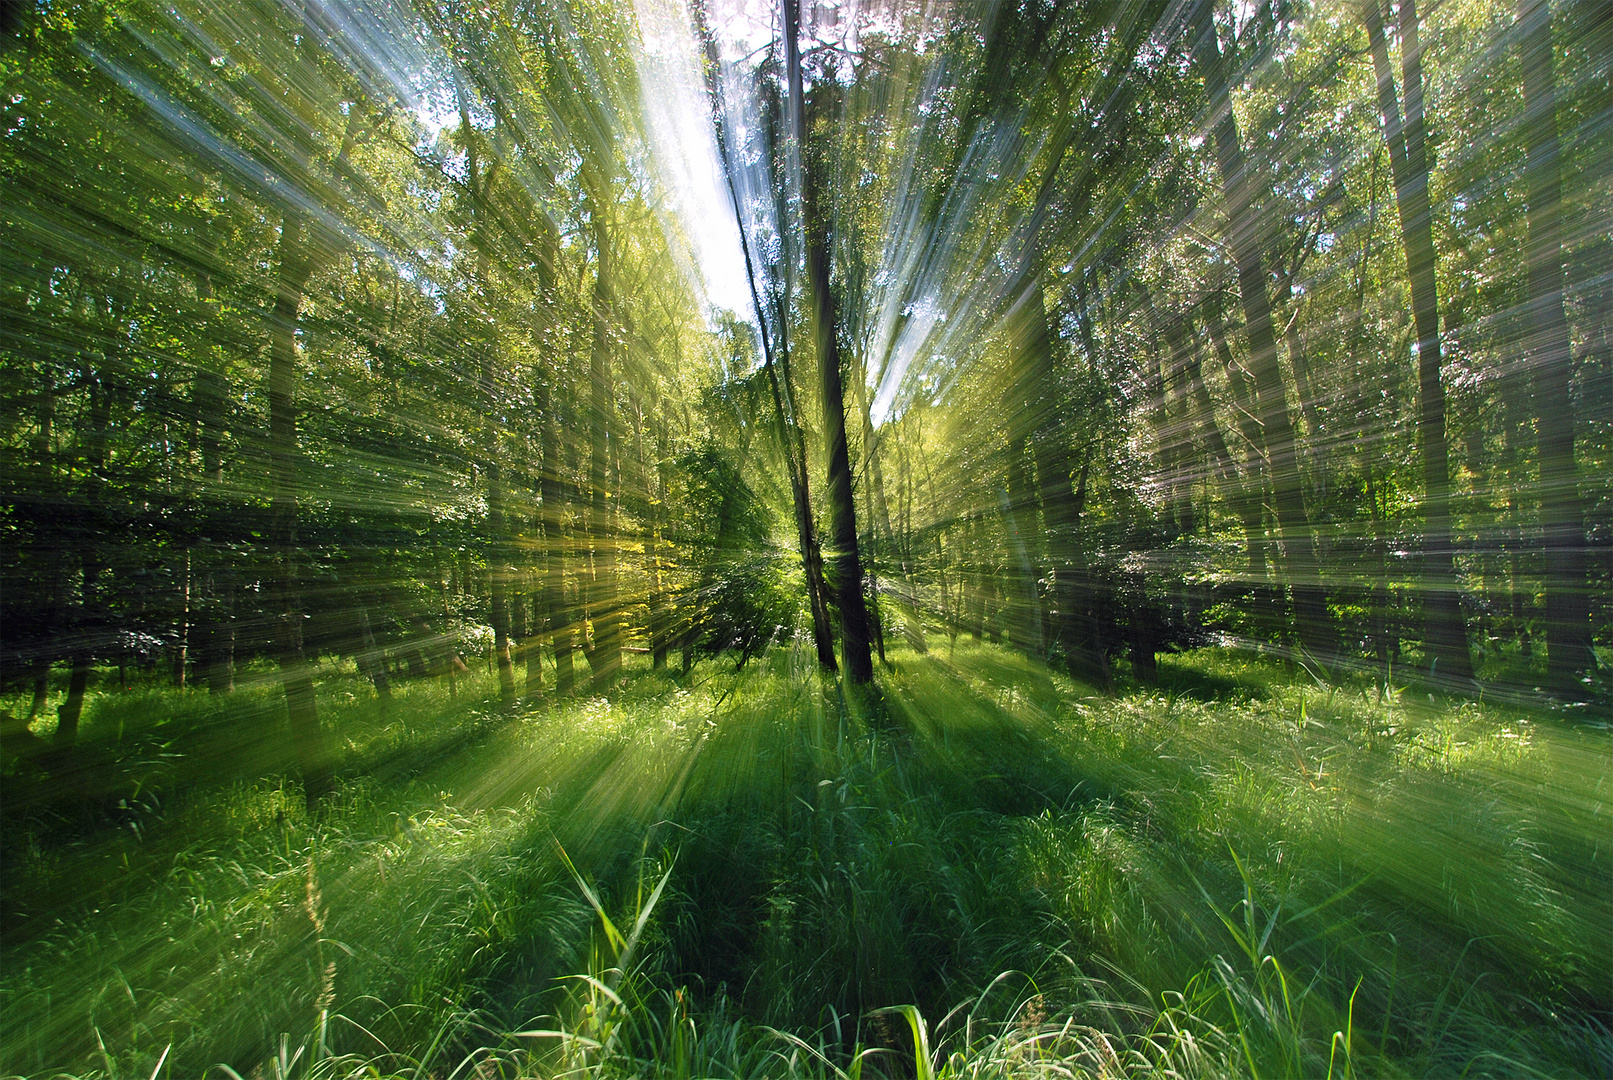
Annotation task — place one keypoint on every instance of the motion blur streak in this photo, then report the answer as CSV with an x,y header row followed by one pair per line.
x,y
795,512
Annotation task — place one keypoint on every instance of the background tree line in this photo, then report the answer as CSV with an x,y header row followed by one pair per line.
x,y
1098,328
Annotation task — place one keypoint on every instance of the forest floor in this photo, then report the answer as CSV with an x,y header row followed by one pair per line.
x,y
983,869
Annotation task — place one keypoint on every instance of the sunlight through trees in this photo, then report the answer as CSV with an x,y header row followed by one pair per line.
x,y
383,380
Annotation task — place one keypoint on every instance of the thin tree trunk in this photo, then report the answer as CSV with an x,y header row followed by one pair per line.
x,y
603,600
1087,655
1025,406
498,585
1522,599
550,602
1379,619
1551,358
182,650
659,613
1245,236
912,614
1175,413
873,496
478,180
1025,629
566,556
1444,629
302,712
372,663
44,455
91,452
215,633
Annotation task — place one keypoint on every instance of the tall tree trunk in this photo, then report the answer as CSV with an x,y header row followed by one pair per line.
x,y
912,612
1522,599
182,648
1378,619
1264,604
1242,492
603,600
1245,235
874,511
478,180
549,605
1087,655
51,555
660,614
302,712
566,564
1074,631
778,381
1444,629
846,562
1176,415
92,454
1551,358
1030,399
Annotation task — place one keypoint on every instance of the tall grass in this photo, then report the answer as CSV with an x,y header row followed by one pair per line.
x,y
982,870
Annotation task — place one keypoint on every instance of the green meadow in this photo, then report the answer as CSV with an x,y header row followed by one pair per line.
x,y
978,870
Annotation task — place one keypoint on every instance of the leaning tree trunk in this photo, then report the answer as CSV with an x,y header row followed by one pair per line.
x,y
1245,236
302,712
1551,358
1444,630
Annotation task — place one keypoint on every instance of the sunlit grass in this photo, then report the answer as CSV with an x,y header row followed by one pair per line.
x,y
1241,870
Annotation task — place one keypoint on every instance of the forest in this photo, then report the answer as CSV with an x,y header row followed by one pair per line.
x,y
890,539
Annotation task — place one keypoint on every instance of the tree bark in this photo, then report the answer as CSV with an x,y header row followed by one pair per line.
x,y
1550,357
1444,629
